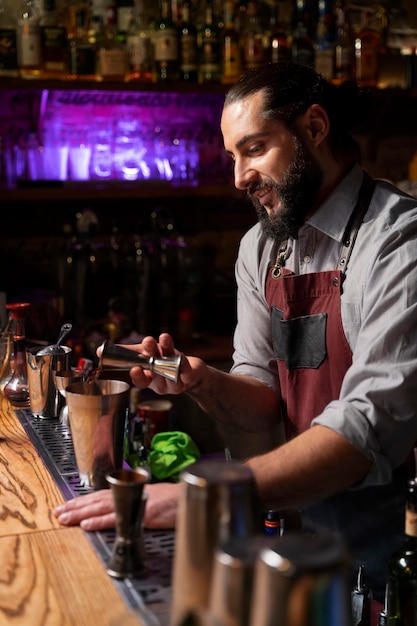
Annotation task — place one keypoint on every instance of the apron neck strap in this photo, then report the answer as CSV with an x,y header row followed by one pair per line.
x,y
355,220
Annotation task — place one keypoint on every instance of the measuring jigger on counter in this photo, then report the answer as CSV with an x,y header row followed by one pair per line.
x,y
127,559
115,356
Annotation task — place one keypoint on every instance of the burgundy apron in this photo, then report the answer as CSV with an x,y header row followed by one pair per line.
x,y
312,352
313,356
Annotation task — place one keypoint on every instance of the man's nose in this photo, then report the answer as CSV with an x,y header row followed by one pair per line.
x,y
244,175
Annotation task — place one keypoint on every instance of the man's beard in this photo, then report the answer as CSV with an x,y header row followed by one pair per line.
x,y
297,191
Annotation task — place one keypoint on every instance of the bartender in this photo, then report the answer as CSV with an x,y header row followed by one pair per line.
x,y
326,338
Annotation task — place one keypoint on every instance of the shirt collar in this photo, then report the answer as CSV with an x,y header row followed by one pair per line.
x,y
332,216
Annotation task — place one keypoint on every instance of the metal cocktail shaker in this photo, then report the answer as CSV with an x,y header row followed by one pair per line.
x,y
232,579
45,399
218,502
303,580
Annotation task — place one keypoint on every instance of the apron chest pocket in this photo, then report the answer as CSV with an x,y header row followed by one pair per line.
x,y
301,341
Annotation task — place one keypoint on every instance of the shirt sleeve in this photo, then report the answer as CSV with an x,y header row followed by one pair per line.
x,y
253,352
377,407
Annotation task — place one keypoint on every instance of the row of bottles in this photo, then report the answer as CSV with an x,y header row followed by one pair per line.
x,y
400,604
123,40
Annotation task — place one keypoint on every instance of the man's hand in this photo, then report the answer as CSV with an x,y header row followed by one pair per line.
x,y
191,369
95,511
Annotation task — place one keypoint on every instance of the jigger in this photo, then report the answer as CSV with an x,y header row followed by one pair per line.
x,y
127,559
114,356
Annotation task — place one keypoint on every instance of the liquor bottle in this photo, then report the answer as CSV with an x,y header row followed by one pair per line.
x,y
232,65
82,50
8,48
166,46
28,40
252,38
17,389
188,46
272,523
111,60
383,613
54,42
344,50
139,45
302,44
304,12
210,52
279,45
367,49
402,569
325,40
96,24
124,14
361,598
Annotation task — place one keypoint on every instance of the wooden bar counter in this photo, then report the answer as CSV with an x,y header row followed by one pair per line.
x,y
49,575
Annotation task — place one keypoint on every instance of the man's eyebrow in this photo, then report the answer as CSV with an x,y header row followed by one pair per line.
x,y
250,137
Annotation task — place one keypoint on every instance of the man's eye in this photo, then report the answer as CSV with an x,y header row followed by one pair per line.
x,y
255,149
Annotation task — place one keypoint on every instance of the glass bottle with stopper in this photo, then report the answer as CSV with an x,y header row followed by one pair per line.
x,y
402,568
6,353
115,356
17,389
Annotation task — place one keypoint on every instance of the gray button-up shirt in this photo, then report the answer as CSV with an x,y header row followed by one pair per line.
x,y
377,407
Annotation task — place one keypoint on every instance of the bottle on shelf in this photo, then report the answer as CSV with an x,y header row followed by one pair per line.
x,y
188,46
302,44
344,49
324,53
176,12
166,46
279,41
124,14
210,52
8,48
402,568
252,38
232,62
54,42
17,389
82,49
306,13
139,45
111,59
96,22
367,50
28,40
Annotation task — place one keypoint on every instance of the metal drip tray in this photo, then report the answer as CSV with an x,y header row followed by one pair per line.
x,y
53,442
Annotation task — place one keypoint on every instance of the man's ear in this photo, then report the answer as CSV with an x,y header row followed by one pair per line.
x,y
316,124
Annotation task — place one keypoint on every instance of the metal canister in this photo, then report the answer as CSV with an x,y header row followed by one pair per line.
x,y
302,580
218,502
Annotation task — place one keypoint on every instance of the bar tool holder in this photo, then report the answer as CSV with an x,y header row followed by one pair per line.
x,y
127,559
115,356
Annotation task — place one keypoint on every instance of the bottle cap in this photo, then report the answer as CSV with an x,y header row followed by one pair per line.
x,y
17,309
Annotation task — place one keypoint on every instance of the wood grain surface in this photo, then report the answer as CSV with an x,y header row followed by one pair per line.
x,y
49,575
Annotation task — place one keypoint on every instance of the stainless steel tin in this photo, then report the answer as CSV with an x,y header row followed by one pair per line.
x,y
218,501
302,581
